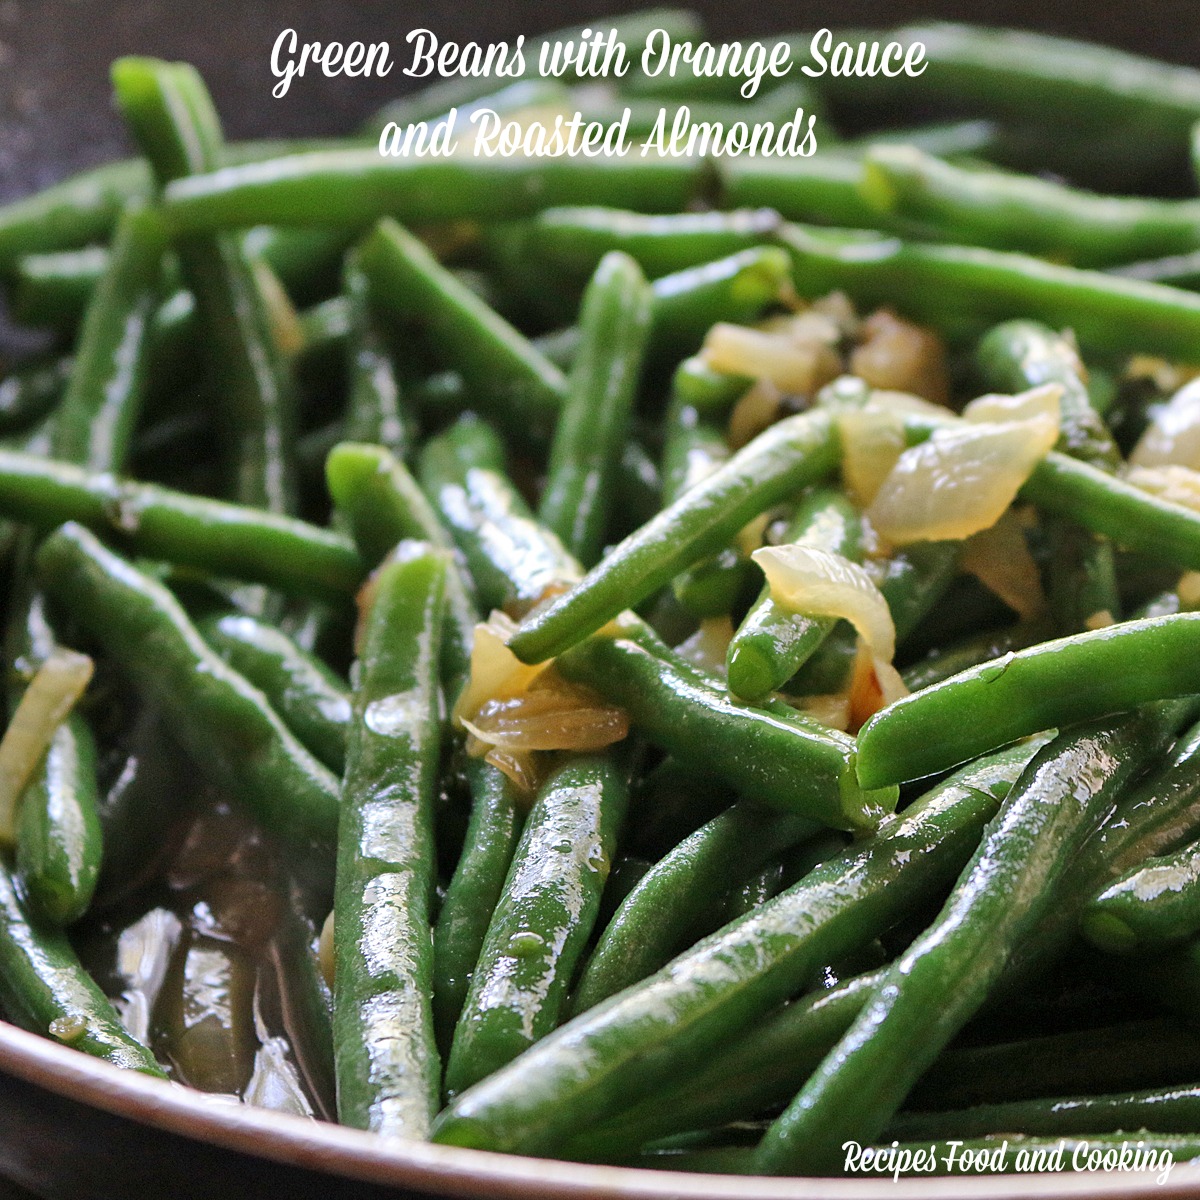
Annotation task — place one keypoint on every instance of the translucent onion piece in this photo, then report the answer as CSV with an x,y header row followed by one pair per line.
x,y
709,645
874,684
1179,485
519,766
550,719
496,672
959,481
872,442
326,958
50,696
999,557
753,534
1100,620
1188,589
790,364
1042,401
821,584
1173,435
897,354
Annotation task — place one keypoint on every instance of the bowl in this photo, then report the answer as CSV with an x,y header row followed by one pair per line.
x,y
74,1127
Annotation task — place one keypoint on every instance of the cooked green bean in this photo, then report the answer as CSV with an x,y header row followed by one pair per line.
x,y
594,421
193,531
313,702
387,1063
226,724
605,1060
543,919
933,989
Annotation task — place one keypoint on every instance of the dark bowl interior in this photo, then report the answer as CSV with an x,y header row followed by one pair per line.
x,y
71,1127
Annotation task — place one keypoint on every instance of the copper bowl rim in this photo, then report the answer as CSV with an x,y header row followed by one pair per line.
x,y
451,1171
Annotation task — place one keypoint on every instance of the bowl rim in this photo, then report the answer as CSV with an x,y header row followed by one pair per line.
x,y
455,1171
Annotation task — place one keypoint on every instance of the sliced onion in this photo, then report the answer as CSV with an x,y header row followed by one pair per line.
x,y
520,766
1101,619
1173,435
759,407
874,684
1045,400
709,645
821,584
325,951
872,442
898,354
832,711
496,672
1000,558
1179,485
961,480
50,696
561,717
773,355
1188,590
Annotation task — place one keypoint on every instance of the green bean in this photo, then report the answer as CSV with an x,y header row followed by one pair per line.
x,y
74,212
1153,1052
490,841
543,919
1177,270
53,289
226,539
797,451
313,702
924,998
387,1062
425,105
709,392
773,755
355,187
407,283
949,139
574,240
640,487
44,988
225,723
594,421
653,921
1056,683
1019,212
512,560
772,643
964,289
825,189
1153,904
375,410
384,505
172,118
1163,1110
758,1069
100,407
971,651
610,1058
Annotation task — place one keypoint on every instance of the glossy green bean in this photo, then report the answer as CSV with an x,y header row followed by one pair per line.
x,y
971,651
1007,211
795,452
375,409
1056,683
44,988
607,1059
933,989
225,723
313,702
175,124
1158,902
354,187
193,531
28,393
598,405
963,290
407,283
543,919
653,921
384,1050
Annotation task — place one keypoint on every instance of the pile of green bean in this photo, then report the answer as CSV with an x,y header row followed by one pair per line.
x,y
450,771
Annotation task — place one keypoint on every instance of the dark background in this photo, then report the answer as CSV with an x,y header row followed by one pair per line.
x,y
56,114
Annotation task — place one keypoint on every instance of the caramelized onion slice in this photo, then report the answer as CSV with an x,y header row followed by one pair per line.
x,y
496,672
561,717
1000,558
